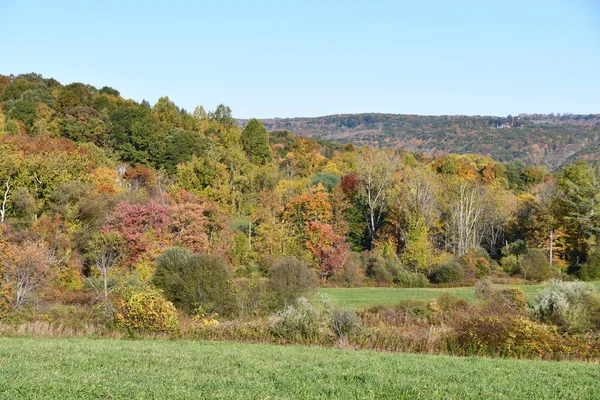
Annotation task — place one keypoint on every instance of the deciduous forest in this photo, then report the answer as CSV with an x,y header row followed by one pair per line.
x,y
141,217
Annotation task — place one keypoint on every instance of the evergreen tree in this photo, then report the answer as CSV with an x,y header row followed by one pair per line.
x,y
256,142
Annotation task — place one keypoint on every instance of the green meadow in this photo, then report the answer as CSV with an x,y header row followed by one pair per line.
x,y
367,297
153,369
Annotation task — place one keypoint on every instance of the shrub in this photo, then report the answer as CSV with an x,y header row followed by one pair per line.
x,y
535,265
344,322
146,310
511,300
341,321
448,303
290,279
250,295
510,264
410,279
574,306
350,275
195,282
507,336
483,289
451,272
296,321
475,263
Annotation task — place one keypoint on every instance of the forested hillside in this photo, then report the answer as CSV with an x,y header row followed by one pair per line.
x,y
550,140
129,213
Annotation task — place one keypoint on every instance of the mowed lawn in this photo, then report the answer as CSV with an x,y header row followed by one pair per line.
x,y
368,297
153,369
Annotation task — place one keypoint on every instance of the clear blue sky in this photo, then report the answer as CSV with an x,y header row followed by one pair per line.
x,y
310,58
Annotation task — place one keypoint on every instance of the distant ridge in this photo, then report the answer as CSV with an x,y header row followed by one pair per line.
x,y
546,139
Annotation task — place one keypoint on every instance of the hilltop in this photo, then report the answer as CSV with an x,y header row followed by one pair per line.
x,y
550,140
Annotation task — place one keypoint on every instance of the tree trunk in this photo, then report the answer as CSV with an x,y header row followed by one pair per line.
x,y
551,245
4,201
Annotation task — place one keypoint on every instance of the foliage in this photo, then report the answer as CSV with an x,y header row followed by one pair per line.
x,y
591,269
290,278
145,310
329,249
448,273
509,336
574,306
195,283
535,265
341,321
296,321
25,267
256,142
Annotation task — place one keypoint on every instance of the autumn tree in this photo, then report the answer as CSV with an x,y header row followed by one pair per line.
x,y
376,171
464,222
199,224
168,113
329,249
105,250
143,227
418,252
310,206
26,265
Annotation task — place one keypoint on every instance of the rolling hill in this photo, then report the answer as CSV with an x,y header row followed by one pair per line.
x,y
551,140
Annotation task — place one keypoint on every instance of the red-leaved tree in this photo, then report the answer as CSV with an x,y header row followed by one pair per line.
x,y
142,226
329,249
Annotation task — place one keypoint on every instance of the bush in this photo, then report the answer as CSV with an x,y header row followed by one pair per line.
x,y
381,269
475,263
145,311
507,336
296,321
290,279
341,321
195,283
483,289
535,265
510,300
344,322
250,295
451,272
410,279
448,303
350,275
510,264
574,306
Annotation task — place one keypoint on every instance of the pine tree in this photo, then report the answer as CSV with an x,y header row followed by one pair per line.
x,y
256,142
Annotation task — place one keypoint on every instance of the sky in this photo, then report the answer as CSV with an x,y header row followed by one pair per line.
x,y
310,58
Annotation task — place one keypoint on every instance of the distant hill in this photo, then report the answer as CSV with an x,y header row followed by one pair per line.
x,y
551,140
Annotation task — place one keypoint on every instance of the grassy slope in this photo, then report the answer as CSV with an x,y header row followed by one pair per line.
x,y
85,368
366,297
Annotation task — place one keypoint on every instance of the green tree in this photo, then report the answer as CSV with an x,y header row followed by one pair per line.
x,y
256,142
580,202
417,254
167,112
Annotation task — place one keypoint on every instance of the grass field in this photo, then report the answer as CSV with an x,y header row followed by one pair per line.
x,y
367,297
146,369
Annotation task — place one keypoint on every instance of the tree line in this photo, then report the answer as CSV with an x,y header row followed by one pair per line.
x,y
98,191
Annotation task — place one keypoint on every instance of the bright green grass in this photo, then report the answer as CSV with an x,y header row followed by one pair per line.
x,y
367,297
146,369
